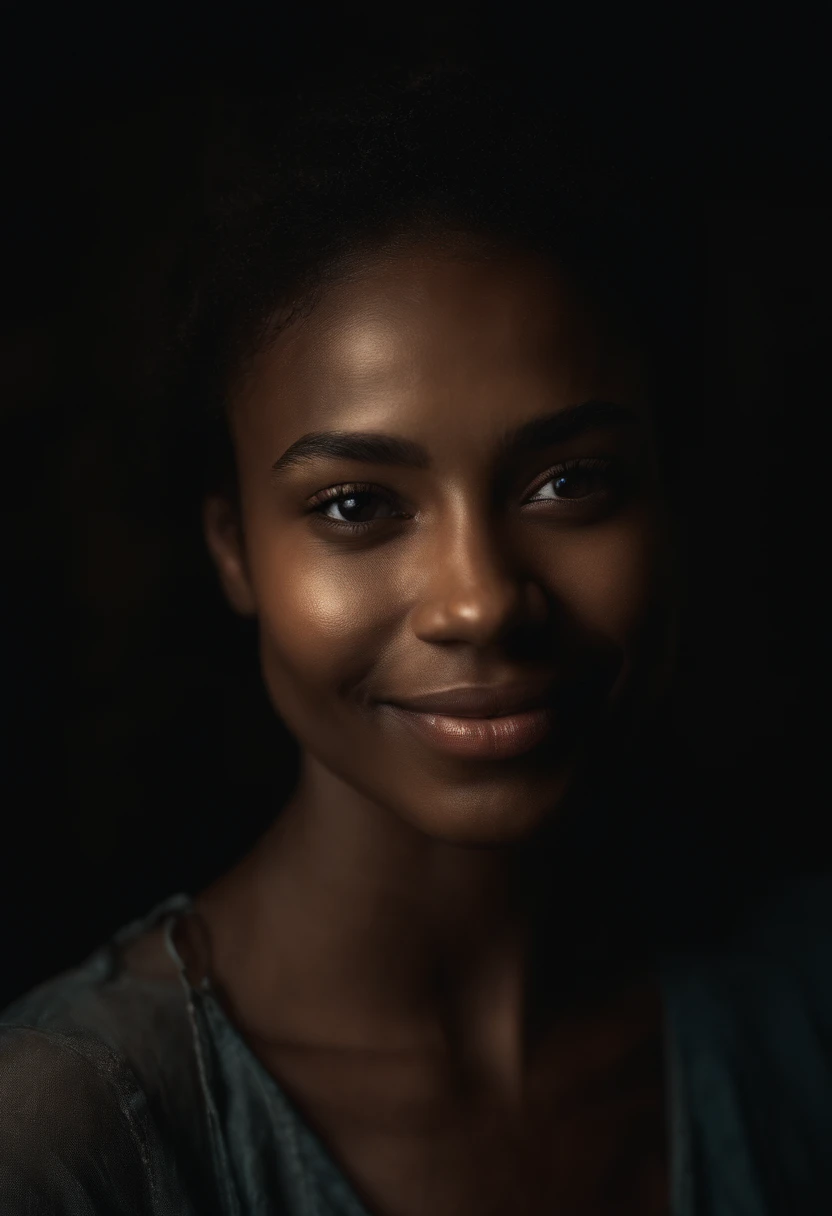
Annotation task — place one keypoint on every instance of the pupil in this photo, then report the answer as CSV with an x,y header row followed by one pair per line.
x,y
577,479
353,503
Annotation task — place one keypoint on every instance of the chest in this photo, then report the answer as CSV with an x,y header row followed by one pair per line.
x,y
588,1137
599,1158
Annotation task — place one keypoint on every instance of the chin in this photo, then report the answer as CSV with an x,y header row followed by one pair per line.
x,y
490,814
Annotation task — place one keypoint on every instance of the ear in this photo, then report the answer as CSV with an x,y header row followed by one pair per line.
x,y
224,537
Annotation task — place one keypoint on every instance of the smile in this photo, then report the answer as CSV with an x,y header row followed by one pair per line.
x,y
496,738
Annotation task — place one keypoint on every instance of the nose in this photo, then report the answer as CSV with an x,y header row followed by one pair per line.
x,y
474,589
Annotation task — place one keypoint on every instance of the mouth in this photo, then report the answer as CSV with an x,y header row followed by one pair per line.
x,y
493,738
497,722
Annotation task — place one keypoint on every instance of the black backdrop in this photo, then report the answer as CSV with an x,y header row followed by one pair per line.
x,y
138,752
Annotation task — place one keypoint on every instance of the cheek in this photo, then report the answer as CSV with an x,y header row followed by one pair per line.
x,y
327,613
607,579
319,621
326,618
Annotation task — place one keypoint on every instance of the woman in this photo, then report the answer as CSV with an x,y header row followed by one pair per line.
x,y
447,979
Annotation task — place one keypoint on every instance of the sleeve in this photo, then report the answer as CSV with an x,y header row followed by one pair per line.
x,y
73,1130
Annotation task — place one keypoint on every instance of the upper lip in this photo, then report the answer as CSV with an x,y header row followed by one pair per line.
x,y
480,701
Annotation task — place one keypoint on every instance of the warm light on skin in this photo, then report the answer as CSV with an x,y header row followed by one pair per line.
x,y
475,587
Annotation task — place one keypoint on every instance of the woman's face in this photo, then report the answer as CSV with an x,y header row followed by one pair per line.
x,y
457,551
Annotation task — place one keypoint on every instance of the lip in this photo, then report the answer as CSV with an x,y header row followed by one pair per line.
x,y
481,701
488,738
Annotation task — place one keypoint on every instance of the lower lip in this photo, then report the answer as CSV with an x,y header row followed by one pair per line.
x,y
480,738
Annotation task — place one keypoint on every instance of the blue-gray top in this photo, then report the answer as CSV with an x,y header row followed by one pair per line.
x,y
124,1094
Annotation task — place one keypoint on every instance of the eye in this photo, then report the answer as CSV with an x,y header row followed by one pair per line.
x,y
576,481
359,506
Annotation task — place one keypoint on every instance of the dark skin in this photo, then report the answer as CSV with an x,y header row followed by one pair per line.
x,y
411,950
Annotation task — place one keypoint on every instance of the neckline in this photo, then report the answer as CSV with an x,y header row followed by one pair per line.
x,y
327,1171
171,912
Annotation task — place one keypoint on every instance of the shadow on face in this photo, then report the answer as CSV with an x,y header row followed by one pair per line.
x,y
448,477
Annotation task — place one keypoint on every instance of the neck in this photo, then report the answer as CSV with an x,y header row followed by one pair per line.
x,y
347,927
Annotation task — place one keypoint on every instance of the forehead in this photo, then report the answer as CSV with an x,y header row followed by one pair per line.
x,y
413,337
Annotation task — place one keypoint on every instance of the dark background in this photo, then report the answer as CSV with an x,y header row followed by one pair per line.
x,y
137,748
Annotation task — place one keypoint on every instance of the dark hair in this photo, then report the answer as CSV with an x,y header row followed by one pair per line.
x,y
297,185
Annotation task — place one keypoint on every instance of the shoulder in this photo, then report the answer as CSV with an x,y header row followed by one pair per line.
x,y
75,1133
128,996
753,1022
783,925
139,1016
48,1079
789,929
801,901
757,1005
99,1088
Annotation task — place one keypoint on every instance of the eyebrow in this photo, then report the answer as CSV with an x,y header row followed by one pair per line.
x,y
371,447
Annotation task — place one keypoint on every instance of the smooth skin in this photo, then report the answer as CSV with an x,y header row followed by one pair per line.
x,y
407,949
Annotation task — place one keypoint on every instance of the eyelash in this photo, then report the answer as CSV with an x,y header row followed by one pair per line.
x,y
336,493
